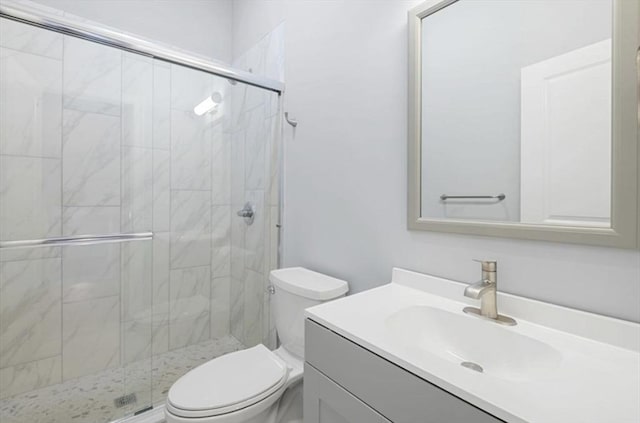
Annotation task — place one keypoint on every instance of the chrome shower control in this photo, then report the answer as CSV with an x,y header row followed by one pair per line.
x,y
248,212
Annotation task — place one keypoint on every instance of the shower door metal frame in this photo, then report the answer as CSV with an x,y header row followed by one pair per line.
x,y
121,40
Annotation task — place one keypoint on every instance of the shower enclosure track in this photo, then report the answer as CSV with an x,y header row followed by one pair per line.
x,y
123,41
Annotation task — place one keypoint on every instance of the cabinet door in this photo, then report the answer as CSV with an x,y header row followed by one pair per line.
x,y
326,402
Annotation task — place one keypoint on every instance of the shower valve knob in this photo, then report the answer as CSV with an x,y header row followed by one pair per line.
x,y
247,212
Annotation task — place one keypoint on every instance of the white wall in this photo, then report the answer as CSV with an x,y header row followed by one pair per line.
x,y
345,196
252,20
200,26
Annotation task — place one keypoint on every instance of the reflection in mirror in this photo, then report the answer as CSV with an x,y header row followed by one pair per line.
x,y
516,112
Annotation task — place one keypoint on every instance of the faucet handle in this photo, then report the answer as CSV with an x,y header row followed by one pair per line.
x,y
488,265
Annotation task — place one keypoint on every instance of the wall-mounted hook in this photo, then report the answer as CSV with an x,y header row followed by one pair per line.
x,y
291,122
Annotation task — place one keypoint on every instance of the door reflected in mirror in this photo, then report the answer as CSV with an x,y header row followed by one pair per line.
x,y
516,106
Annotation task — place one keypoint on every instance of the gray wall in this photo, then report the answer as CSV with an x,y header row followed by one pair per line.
x,y
473,54
345,195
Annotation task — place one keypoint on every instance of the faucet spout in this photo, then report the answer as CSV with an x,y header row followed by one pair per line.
x,y
479,289
486,291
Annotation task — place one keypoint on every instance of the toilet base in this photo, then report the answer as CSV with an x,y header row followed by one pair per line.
x,y
290,405
240,416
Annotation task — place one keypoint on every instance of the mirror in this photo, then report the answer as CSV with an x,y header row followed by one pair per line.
x,y
517,115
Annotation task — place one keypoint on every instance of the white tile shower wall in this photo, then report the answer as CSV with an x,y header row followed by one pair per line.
x,y
92,77
30,163
160,293
137,100
190,223
90,336
30,310
19,37
34,84
106,141
92,203
90,271
90,159
255,150
30,136
190,229
29,376
190,298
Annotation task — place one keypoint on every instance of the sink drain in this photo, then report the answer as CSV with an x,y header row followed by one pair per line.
x,y
472,366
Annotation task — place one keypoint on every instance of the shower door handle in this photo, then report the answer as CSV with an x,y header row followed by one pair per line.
x,y
77,240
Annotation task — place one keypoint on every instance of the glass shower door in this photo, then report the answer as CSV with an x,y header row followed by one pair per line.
x,y
99,141
217,153
75,316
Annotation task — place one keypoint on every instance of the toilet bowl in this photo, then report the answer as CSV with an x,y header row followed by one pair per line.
x,y
257,385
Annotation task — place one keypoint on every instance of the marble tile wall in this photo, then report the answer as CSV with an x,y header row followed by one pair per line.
x,y
255,153
31,285
97,140
62,167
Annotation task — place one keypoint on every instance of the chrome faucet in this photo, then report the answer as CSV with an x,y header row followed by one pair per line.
x,y
485,290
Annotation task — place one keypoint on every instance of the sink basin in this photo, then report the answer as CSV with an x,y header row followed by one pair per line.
x,y
478,345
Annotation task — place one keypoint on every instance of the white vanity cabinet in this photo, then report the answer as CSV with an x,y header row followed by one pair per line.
x,y
346,383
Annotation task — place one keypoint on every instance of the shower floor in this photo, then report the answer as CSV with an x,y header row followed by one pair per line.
x,y
90,399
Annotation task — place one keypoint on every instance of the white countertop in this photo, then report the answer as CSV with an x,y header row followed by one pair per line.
x,y
597,381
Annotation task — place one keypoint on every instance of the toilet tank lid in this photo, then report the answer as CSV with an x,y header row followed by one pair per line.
x,y
308,284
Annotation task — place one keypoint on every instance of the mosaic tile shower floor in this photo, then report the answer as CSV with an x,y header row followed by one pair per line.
x,y
90,399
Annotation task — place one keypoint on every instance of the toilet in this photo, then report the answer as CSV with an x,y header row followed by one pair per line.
x,y
257,385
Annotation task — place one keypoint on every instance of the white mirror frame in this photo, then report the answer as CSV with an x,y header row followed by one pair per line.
x,y
625,192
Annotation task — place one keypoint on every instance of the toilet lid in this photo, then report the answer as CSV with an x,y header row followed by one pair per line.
x,y
228,383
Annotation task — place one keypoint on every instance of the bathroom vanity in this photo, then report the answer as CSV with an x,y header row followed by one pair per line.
x,y
345,382
406,352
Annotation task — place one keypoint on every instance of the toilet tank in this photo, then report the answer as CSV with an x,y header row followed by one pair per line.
x,y
296,289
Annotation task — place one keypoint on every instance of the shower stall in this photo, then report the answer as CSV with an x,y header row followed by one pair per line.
x,y
123,259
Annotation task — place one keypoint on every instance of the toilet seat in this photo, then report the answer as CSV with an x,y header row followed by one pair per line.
x,y
228,383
